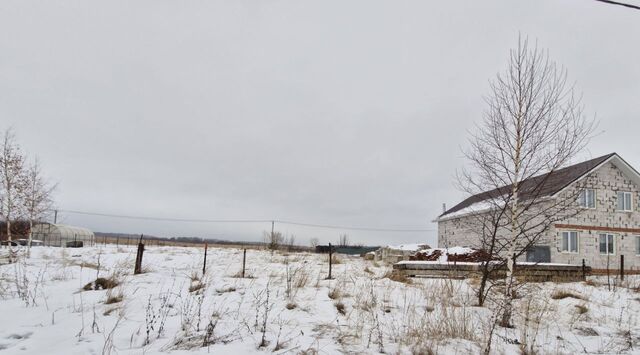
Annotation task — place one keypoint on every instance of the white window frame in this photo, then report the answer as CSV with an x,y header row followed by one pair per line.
x,y
569,243
624,200
613,243
583,198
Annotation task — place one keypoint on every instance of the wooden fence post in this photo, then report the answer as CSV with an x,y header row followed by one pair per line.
x,y
330,260
204,264
244,261
621,267
584,270
138,266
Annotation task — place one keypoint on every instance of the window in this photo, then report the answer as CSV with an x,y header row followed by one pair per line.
x,y
606,244
570,242
638,245
624,201
587,198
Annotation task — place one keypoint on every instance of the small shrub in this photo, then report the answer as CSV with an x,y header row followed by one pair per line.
x,y
562,294
340,308
291,305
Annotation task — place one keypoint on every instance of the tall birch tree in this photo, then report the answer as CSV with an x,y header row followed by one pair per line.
x,y
533,125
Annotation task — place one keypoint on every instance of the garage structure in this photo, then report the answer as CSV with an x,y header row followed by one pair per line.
x,y
60,235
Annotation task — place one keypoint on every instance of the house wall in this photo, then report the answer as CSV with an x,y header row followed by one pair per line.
x,y
607,181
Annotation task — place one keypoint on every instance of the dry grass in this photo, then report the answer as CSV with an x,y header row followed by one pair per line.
x,y
590,282
336,259
301,278
114,299
334,294
226,289
196,286
340,307
291,305
397,277
110,310
581,308
101,283
562,294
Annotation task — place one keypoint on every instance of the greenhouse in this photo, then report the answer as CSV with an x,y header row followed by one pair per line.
x,y
59,235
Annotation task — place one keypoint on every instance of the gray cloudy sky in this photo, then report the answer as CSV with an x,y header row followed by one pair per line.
x,y
333,112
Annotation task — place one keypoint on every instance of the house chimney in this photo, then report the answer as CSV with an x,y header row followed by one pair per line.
x,y
444,207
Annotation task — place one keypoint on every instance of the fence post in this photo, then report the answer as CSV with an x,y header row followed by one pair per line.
x,y
244,261
330,260
584,270
204,264
117,241
621,267
138,267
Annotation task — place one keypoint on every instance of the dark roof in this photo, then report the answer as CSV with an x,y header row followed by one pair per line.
x,y
542,185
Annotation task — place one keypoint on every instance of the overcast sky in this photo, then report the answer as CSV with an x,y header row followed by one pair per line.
x,y
333,112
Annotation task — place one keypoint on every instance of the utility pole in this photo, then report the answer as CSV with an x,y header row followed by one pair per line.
x,y
272,224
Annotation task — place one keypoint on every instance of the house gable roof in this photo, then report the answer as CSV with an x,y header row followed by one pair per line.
x,y
549,184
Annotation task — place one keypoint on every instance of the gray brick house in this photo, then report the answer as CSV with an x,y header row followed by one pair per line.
x,y
606,225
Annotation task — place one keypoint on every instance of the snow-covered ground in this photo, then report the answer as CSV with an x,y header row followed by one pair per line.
x,y
286,306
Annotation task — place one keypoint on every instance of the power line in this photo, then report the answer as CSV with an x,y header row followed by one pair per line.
x,y
189,220
168,219
631,6
369,229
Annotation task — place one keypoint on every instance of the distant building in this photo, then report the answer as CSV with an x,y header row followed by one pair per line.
x,y
60,235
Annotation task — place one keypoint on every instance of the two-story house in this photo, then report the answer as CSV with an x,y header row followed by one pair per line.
x,y
606,226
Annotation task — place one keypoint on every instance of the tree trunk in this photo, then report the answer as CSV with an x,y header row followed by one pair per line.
x,y
30,238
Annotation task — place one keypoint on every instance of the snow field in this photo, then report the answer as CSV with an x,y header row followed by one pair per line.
x,y
285,305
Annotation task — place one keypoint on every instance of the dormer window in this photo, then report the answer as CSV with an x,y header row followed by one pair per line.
x,y
625,201
587,198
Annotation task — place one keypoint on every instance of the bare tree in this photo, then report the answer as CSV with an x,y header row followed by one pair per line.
x,y
12,176
344,240
37,197
273,240
534,125
291,242
314,242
